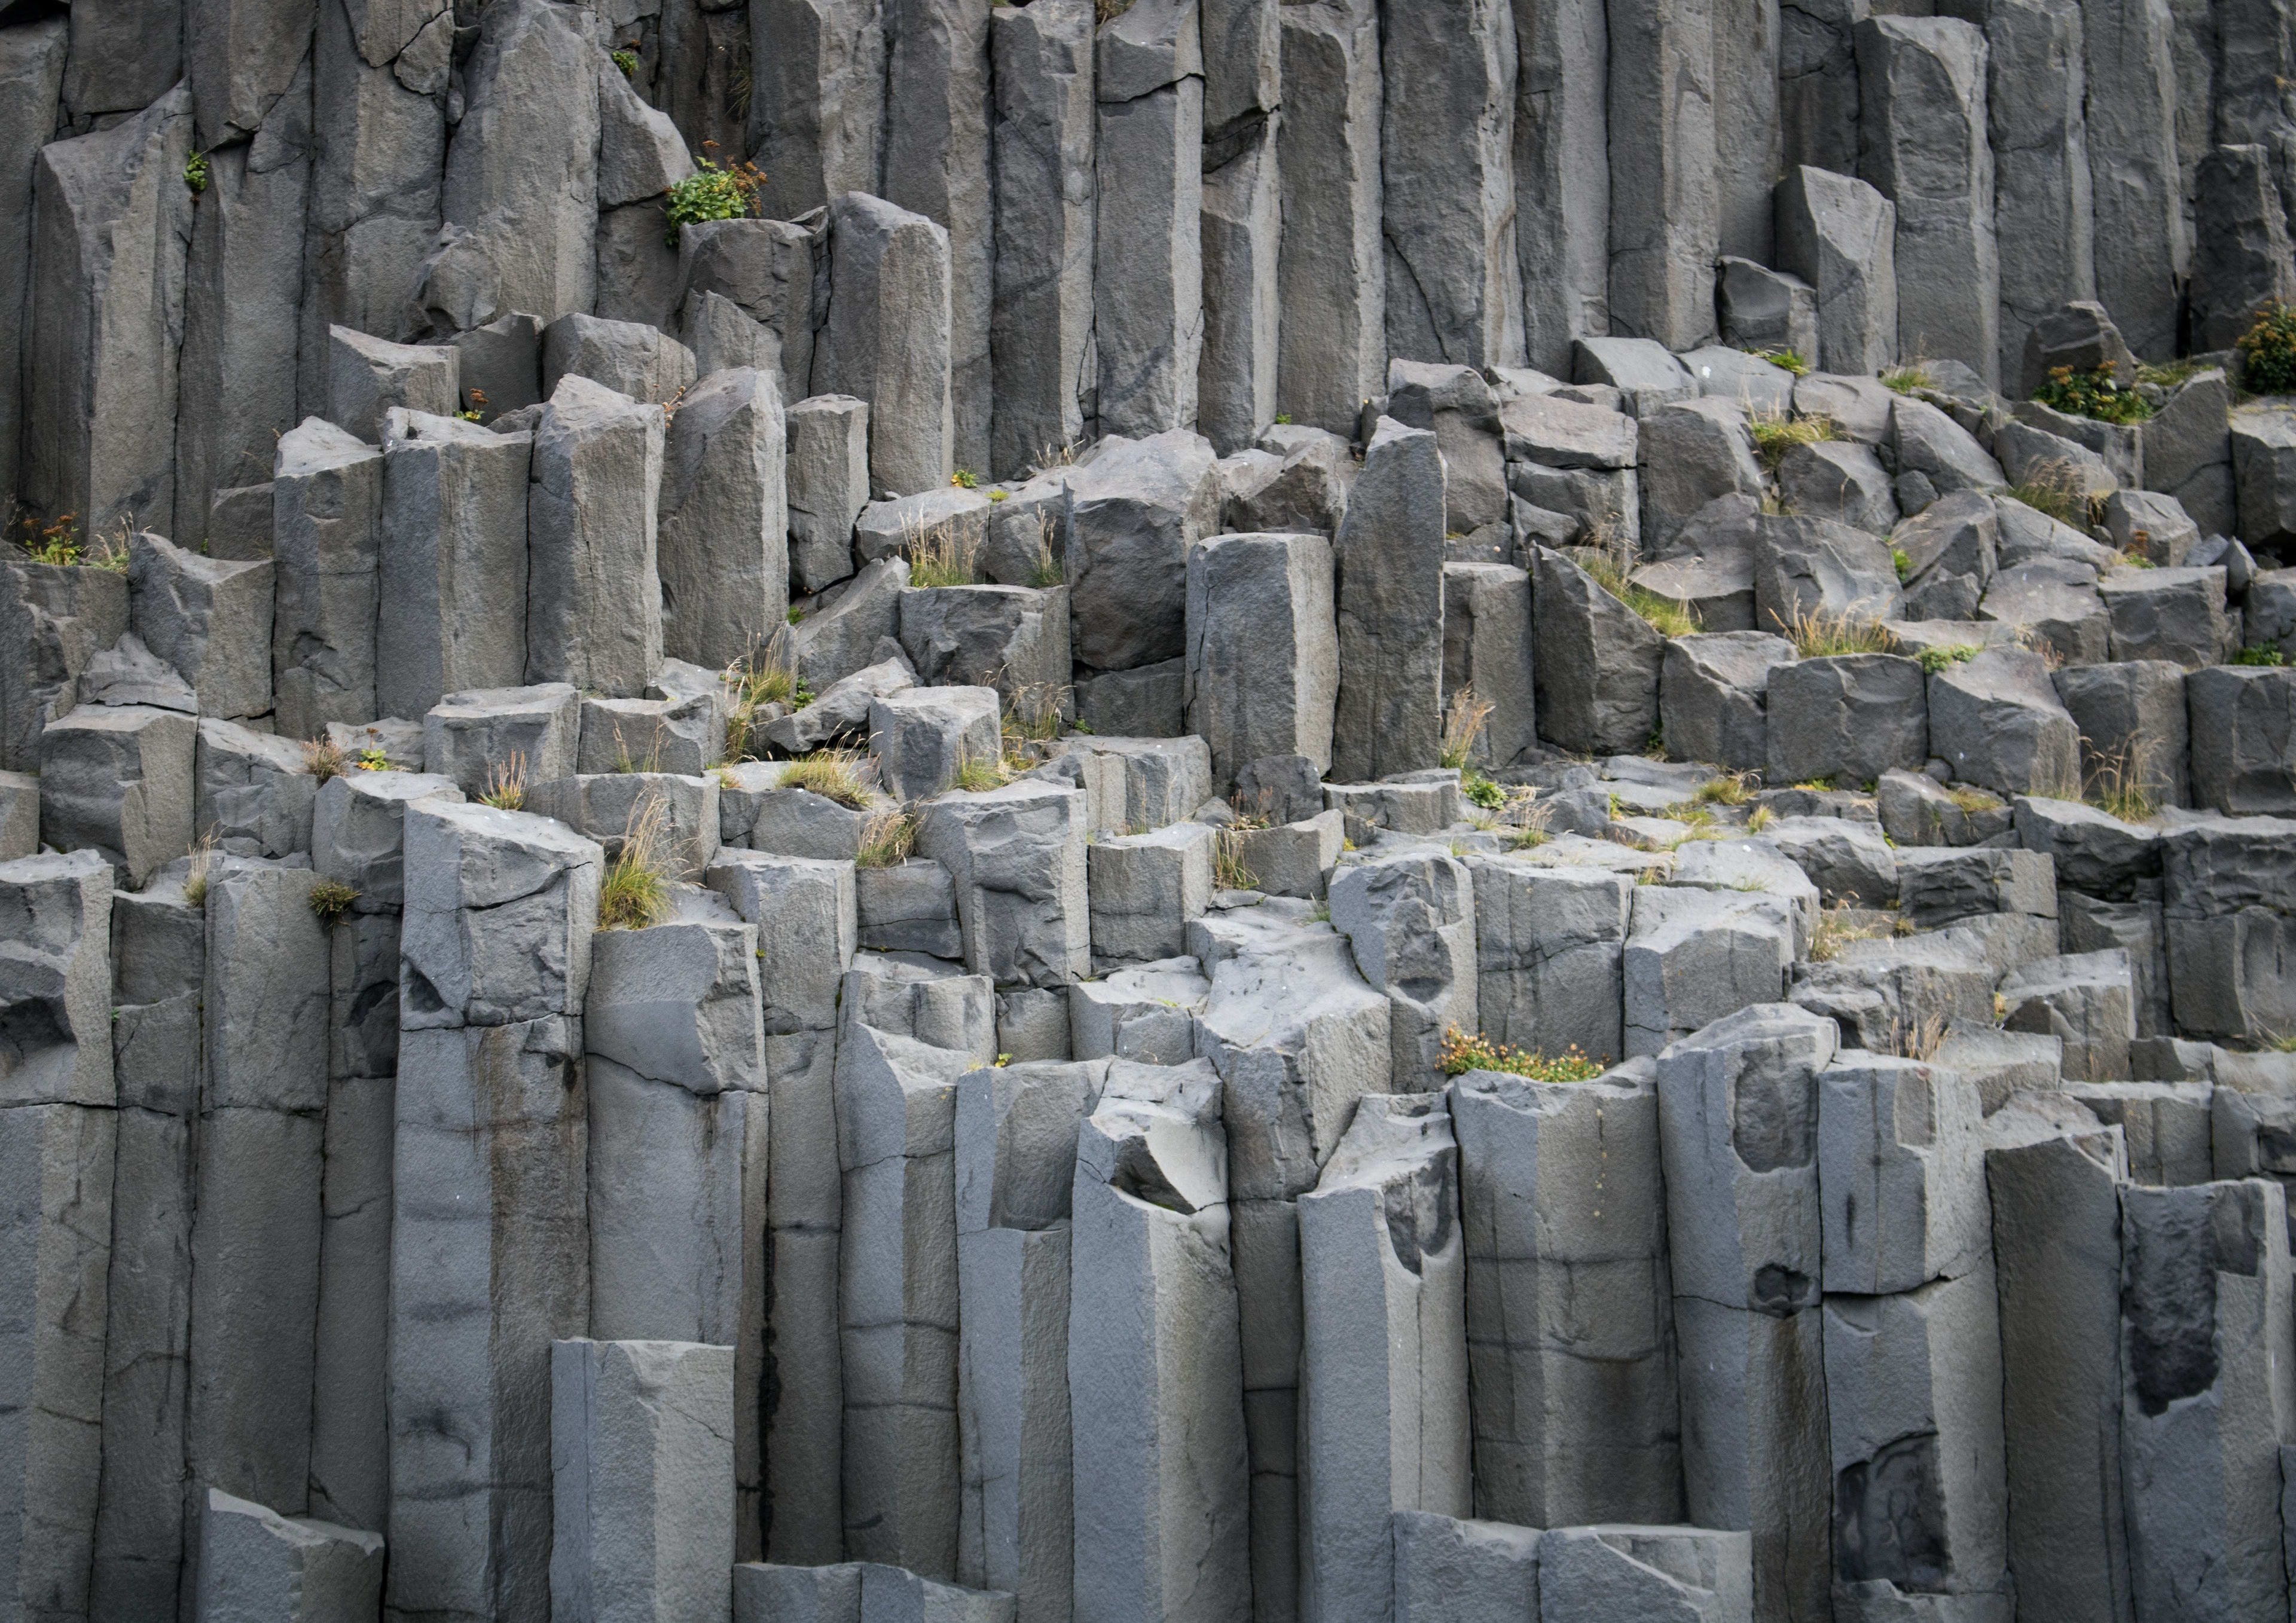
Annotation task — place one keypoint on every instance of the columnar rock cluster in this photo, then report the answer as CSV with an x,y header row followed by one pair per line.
x,y
1174,813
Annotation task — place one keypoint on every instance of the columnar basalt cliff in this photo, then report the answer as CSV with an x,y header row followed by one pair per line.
x,y
1147,811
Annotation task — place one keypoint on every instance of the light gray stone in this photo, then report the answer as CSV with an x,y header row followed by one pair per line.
x,y
366,376
53,619
1240,228
686,736
888,338
723,547
326,523
768,270
1472,1571
209,620
1486,649
467,737
593,599
1597,662
253,1563
1713,696
1147,252
1575,1423
642,1467
922,738
1332,325
1694,956
1410,919
1263,667
1838,234
119,781
1012,639
452,581
816,113
1693,1572
252,795
1900,1175
2087,1000
1016,856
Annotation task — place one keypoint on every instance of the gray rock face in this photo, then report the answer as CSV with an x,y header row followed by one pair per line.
x,y
1814,569
1014,639
53,619
32,67
1332,275
769,269
520,212
1390,600
1996,720
1528,1152
1713,696
1596,661
1665,216
1241,228
1263,657
1694,956
1949,549
366,376
1043,130
1922,140
1147,252
1486,649
630,357
119,781
1763,308
1411,921
2174,615
210,620
888,338
2132,144
1849,717
722,544
2131,717
106,323
1840,236
2035,86
923,737
1133,513
466,734
1446,159
255,1562
451,612
2244,732
2188,451
327,512
1840,481
1016,856
1456,403
827,480
593,601
2242,257
1693,452
1561,177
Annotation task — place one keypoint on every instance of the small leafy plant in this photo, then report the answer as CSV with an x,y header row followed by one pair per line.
x,y
196,173
61,543
2267,351
1935,659
627,60
2259,653
1480,790
1900,561
2096,393
712,193
966,479
1786,360
477,408
373,758
331,899
1461,1053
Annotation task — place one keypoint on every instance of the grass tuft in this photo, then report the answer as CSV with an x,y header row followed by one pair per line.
x,y
1229,872
946,558
1663,615
1730,789
635,891
505,789
1462,1054
1462,726
1834,931
2054,487
1935,659
323,758
887,839
331,899
1776,434
834,774
1817,635
1909,378
196,882
2120,785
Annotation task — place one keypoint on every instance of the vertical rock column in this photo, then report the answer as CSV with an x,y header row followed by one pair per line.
x,y
31,76
1297,1038
1243,220
1154,1378
57,1137
1383,1378
2141,251
1016,1134
1561,176
817,107
1665,210
1148,309
2206,1398
326,521
1748,138
451,609
259,1186
936,162
160,957
1389,552
379,120
1263,662
888,338
2042,208
358,841
1446,157
2056,1243
1043,139
1817,83
804,913
489,1235
1738,1125
1923,142
594,592
243,288
675,1064
1569,1326
106,325
1332,269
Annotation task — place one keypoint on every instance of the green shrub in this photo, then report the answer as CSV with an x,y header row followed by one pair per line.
x,y
1786,360
712,193
2259,653
1462,1054
2267,351
331,899
1480,790
627,61
1935,659
2096,393
196,173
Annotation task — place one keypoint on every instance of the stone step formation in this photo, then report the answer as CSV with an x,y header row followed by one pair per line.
x,y
829,812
